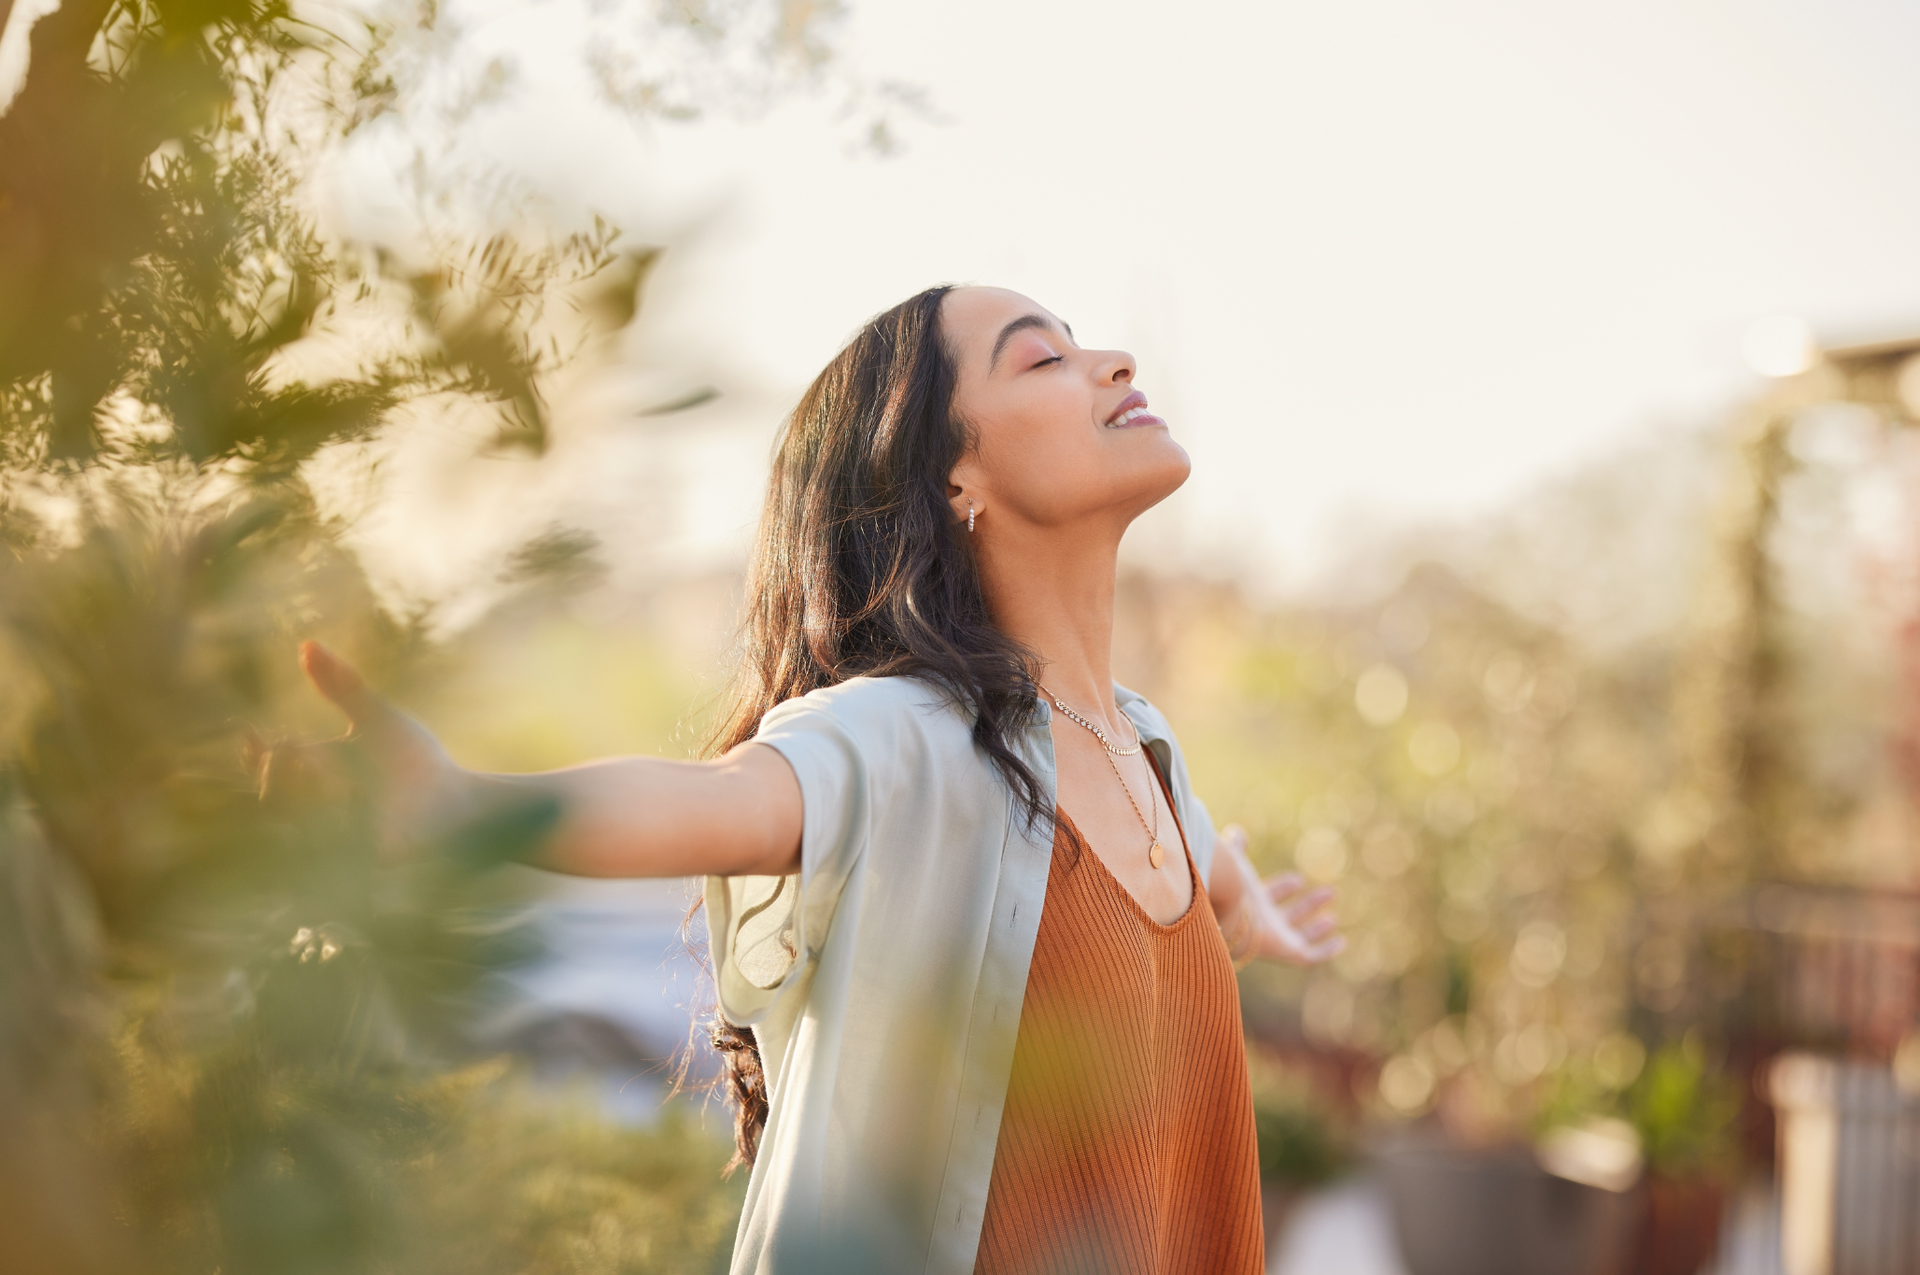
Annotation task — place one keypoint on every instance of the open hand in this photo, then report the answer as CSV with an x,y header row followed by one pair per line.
x,y
417,785
1290,923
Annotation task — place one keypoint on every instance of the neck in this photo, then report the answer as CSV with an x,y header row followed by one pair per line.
x,y
1052,592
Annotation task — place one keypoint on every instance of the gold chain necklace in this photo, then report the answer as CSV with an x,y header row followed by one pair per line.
x,y
1156,853
1098,733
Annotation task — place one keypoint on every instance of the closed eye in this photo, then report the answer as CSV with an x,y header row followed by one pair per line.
x,y
1043,362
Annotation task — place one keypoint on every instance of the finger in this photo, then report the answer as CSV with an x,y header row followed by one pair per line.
x,y
271,775
338,680
1235,837
255,753
301,772
1294,948
1326,951
1321,922
1285,886
1292,897
284,771
272,766
1302,909
1319,929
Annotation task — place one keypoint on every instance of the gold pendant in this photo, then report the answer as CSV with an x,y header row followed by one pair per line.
x,y
1156,856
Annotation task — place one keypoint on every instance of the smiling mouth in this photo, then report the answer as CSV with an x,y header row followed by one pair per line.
x,y
1129,416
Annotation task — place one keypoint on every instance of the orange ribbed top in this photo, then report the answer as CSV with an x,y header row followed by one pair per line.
x,y
1127,1143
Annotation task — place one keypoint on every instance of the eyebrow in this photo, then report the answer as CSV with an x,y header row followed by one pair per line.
x,y
1019,325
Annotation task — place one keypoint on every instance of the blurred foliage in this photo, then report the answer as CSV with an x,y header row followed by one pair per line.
x,y
231,1038
1547,840
171,297
1303,1143
1425,753
1684,1111
1683,1104
227,1024
1294,1145
456,1171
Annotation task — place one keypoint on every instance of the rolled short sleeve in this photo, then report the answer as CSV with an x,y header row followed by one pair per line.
x,y
765,931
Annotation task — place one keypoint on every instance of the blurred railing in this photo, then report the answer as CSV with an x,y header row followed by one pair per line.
x,y
1839,995
1849,1168
1844,968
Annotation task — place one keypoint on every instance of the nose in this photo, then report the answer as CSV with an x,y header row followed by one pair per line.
x,y
1114,367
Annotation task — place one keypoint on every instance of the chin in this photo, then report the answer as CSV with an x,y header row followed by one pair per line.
x,y
1174,466
1153,483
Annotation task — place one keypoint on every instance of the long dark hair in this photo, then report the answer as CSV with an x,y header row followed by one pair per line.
x,y
861,569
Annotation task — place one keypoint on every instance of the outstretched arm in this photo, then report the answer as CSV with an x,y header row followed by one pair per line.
x,y
738,815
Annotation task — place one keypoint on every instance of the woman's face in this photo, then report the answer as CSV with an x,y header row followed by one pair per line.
x,y
1061,433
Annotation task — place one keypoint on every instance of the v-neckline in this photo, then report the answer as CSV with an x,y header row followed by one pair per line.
x,y
1193,873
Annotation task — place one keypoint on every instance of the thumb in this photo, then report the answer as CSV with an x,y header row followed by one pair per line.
x,y
338,680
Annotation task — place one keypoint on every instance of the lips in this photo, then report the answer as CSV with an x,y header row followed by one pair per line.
x,y
1132,411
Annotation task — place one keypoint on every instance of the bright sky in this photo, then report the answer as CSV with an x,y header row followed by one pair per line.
x,y
1380,260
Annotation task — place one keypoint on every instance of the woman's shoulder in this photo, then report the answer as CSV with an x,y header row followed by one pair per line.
x,y
876,707
1141,710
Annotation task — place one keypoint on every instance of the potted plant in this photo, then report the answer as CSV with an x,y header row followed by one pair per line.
x,y
1684,1111
1460,1209
1303,1141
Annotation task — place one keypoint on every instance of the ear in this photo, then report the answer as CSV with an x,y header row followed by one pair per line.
x,y
963,485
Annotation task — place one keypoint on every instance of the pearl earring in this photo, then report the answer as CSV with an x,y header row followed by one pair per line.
x,y
969,516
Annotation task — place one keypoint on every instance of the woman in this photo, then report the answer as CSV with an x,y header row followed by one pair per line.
x,y
973,934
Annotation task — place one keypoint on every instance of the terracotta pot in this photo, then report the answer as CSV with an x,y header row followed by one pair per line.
x,y
1470,1212
1679,1225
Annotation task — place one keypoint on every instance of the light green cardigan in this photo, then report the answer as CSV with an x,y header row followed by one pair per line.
x,y
884,981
